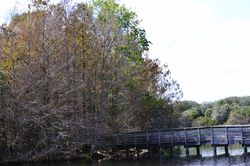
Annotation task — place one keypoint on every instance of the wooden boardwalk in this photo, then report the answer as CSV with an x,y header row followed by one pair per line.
x,y
187,137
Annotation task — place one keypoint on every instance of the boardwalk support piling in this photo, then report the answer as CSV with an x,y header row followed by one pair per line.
x,y
215,151
161,153
187,151
226,150
171,151
245,150
198,151
127,153
149,152
138,153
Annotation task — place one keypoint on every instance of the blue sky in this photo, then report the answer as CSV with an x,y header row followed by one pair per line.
x,y
206,43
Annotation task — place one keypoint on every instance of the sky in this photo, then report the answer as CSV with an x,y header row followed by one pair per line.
x,y
206,43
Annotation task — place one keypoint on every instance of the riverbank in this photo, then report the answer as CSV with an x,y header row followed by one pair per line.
x,y
48,157
110,155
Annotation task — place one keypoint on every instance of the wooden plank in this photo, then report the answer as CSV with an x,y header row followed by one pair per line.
x,y
147,138
216,135
159,138
242,138
185,137
234,135
212,136
172,138
199,136
226,132
135,139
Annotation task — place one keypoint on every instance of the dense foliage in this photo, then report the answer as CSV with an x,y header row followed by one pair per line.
x,y
232,110
70,73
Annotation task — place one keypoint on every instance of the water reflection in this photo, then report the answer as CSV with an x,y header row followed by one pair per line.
x,y
235,158
210,161
207,151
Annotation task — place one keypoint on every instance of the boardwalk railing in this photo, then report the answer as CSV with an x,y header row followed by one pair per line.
x,y
187,137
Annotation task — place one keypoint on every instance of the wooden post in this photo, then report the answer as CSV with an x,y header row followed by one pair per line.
x,y
245,149
138,153
227,142
198,151
185,137
147,139
212,136
135,140
242,136
159,138
92,148
199,136
172,138
226,150
127,153
187,151
124,140
215,152
161,153
226,130
150,152
171,151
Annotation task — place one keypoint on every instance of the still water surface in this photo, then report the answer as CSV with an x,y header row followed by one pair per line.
x,y
235,159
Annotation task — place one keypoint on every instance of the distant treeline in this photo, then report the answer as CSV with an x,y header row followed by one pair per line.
x,y
231,110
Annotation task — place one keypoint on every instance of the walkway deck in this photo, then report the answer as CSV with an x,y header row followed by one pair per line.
x,y
187,137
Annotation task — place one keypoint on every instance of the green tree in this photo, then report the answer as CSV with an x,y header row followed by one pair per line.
x,y
240,116
189,116
208,112
182,106
221,113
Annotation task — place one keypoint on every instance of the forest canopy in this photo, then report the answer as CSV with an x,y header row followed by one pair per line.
x,y
70,73
228,111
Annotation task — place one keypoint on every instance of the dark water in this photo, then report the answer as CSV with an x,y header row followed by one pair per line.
x,y
219,161
235,158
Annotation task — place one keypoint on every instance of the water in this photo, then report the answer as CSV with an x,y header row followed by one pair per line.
x,y
207,151
219,161
235,159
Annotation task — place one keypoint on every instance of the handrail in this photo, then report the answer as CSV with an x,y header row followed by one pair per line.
x,y
189,128
193,136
